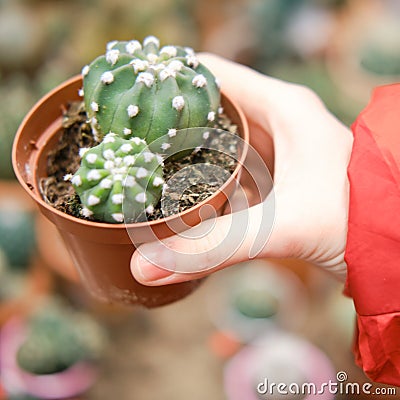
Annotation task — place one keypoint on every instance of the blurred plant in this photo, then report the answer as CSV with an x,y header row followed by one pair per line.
x,y
365,50
13,396
270,22
17,236
286,29
3,265
59,337
256,303
18,97
380,49
13,282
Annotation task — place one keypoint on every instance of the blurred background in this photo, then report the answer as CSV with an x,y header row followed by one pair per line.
x,y
286,318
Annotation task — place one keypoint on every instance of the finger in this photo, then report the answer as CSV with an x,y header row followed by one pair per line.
x,y
232,239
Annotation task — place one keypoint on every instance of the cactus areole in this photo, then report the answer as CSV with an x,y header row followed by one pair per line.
x,y
137,95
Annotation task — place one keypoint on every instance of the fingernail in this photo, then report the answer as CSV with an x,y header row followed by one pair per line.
x,y
150,272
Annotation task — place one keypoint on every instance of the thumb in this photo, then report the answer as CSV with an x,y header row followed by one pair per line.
x,y
206,248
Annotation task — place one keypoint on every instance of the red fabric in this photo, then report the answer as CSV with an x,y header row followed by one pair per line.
x,y
373,242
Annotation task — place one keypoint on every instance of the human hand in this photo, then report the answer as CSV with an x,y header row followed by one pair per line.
x,y
308,150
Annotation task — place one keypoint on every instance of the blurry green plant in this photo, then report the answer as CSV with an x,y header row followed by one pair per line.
x,y
13,282
17,236
379,52
256,303
270,20
18,396
17,99
59,337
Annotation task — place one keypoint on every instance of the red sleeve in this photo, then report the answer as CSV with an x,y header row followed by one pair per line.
x,y
373,242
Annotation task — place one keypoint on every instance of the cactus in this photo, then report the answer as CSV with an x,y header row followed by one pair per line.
x,y
137,97
56,341
51,347
148,92
118,171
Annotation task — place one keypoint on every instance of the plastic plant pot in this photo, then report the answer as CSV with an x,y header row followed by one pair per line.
x,y
101,252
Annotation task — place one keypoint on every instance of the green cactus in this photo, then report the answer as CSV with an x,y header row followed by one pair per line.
x,y
51,347
137,96
56,340
118,171
13,282
149,92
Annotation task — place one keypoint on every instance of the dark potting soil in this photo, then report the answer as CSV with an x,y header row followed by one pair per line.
x,y
209,169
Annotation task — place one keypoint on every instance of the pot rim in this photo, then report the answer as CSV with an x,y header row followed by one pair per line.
x,y
147,224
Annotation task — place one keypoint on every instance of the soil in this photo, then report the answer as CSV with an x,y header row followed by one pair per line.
x,y
204,180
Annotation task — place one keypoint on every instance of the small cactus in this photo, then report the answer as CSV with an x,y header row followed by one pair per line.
x,y
149,92
118,171
57,338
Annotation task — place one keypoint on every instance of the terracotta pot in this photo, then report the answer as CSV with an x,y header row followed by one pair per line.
x,y
61,385
102,252
52,249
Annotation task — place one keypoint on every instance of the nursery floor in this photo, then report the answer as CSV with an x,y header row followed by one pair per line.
x,y
165,353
